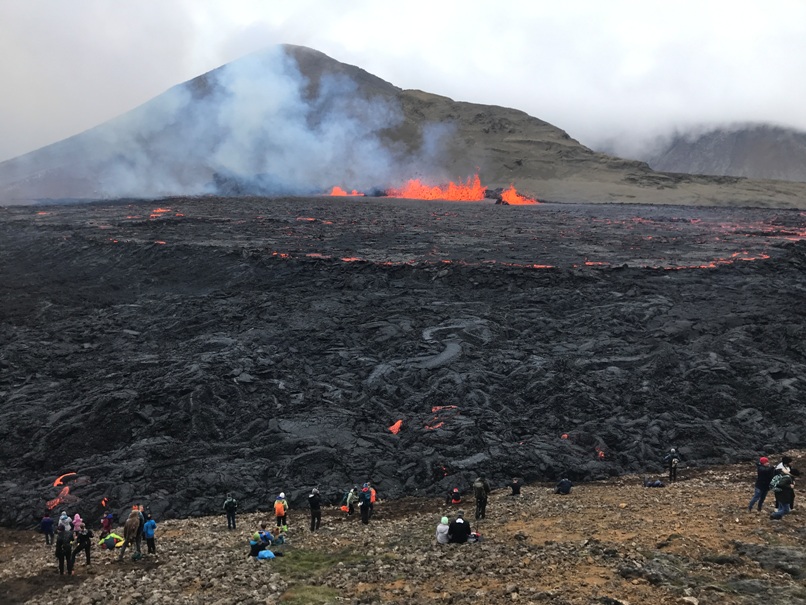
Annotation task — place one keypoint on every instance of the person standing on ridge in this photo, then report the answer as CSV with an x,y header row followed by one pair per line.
x,y
672,459
281,511
230,506
315,502
765,473
481,489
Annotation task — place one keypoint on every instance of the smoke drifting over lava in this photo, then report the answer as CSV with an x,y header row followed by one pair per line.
x,y
254,126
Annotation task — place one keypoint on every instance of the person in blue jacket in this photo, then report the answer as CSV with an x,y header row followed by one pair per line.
x,y
46,526
149,529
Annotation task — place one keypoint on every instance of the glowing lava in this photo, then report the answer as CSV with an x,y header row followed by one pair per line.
x,y
513,198
470,191
395,428
338,191
59,481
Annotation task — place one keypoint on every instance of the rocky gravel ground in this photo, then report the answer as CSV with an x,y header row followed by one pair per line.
x,y
611,542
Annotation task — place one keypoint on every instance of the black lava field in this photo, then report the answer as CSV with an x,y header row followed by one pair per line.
x,y
166,352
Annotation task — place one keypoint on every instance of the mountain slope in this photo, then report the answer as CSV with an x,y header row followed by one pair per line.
x,y
293,121
757,152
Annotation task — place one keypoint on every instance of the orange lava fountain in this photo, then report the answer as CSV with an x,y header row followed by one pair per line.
x,y
513,198
338,191
470,191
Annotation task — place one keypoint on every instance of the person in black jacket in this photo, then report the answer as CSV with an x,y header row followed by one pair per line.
x,y
672,459
481,490
765,473
64,551
315,502
84,539
230,507
459,529
563,486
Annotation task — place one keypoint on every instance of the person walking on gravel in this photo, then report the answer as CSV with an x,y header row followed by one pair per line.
x,y
84,539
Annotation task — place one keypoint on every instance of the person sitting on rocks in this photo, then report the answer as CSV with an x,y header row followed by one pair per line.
x,y
654,483
515,486
106,524
459,529
563,486
442,531
454,497
261,539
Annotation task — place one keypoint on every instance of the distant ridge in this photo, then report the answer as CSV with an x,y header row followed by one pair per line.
x,y
756,151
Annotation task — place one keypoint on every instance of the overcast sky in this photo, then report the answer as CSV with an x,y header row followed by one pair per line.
x,y
613,71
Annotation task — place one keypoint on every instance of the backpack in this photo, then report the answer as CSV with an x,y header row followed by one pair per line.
x,y
779,482
279,508
230,505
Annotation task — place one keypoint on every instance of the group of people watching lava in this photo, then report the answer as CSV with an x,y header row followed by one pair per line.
x,y
70,536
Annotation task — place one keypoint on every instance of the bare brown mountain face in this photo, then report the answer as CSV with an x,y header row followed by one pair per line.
x,y
292,121
168,352
755,152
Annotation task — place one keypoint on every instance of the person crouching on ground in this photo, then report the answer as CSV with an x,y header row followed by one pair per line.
x,y
262,538
564,486
442,531
459,529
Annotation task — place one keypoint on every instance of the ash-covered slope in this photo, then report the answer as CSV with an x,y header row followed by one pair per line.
x,y
168,355
757,151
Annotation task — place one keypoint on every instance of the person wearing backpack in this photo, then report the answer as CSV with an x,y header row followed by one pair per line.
x,y
783,485
481,489
672,459
765,473
365,498
352,498
64,551
281,511
230,506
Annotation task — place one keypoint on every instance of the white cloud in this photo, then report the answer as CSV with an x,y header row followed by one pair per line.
x,y
615,70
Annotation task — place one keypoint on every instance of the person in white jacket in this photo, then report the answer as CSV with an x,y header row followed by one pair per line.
x,y
442,531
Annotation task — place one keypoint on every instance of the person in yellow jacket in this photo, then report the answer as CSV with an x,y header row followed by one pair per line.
x,y
281,511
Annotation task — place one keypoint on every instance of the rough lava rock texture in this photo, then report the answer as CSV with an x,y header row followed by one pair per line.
x,y
167,352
